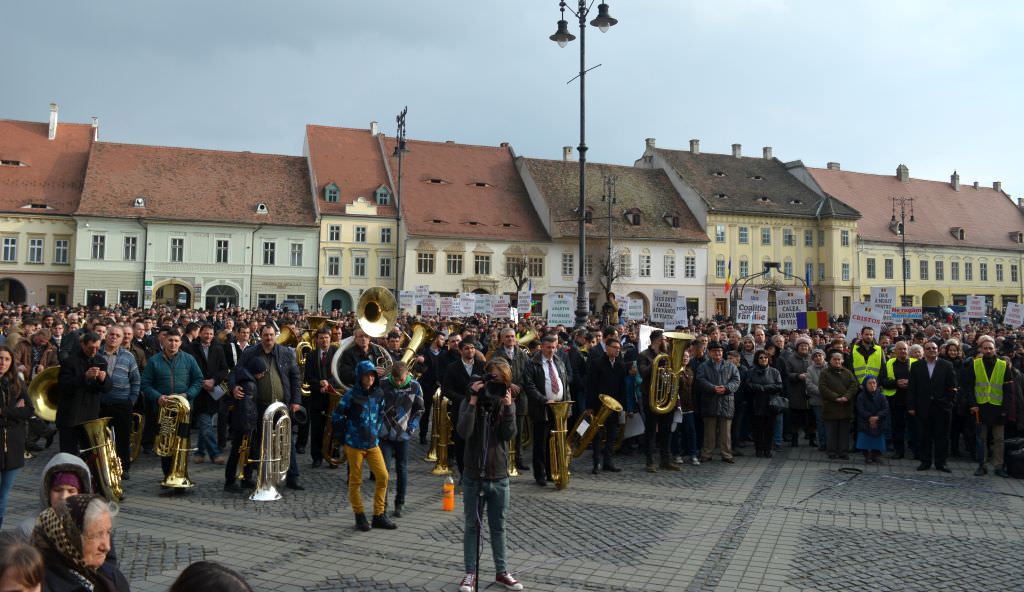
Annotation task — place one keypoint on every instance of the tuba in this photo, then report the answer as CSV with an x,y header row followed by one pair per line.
x,y
558,444
579,444
664,390
172,440
138,424
308,344
287,337
275,453
106,464
331,448
441,435
376,313
42,391
421,333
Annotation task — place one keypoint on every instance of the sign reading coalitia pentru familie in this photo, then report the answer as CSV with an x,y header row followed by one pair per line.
x,y
752,307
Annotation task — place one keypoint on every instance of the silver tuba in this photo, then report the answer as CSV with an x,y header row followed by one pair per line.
x,y
275,453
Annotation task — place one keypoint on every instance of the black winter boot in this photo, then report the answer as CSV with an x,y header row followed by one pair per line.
x,y
361,522
382,521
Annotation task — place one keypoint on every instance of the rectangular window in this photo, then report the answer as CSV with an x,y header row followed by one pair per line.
x,y
670,266
690,267
99,247
359,266
588,266
766,236
454,263
645,266
821,238
808,238
482,264
35,250
177,250
788,238
296,254
333,265
968,271
424,263
844,238
744,235
1014,273
809,271
360,234
954,271
269,253
940,272
983,272
221,251
720,268
999,272
334,232
905,264
60,251
266,301
625,265
10,249
787,267
299,299
846,272
568,268
131,245
870,268
821,272
385,236
744,269
384,266
923,270
535,267
720,233
890,272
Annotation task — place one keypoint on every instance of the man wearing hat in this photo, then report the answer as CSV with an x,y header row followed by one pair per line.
x,y
718,381
657,426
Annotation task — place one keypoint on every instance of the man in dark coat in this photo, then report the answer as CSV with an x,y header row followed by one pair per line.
x,y
606,376
82,381
933,392
657,426
546,381
210,357
518,361
320,380
458,376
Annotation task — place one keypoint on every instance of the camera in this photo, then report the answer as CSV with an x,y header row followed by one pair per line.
x,y
493,392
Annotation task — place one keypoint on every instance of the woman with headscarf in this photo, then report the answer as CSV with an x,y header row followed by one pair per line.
x,y
15,411
74,539
872,411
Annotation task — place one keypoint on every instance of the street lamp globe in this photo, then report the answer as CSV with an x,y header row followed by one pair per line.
x,y
603,21
562,36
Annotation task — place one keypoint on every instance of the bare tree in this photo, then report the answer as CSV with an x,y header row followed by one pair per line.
x,y
610,270
516,273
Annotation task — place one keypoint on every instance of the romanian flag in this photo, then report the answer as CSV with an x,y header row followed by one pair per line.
x,y
807,288
728,278
813,319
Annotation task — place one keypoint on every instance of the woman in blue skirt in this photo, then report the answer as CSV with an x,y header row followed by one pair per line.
x,y
872,412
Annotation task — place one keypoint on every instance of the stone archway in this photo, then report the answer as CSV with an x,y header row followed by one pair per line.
x,y
175,293
221,296
11,290
932,298
339,300
643,297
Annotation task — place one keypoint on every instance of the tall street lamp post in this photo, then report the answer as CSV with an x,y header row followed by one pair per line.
x,y
400,153
904,204
562,37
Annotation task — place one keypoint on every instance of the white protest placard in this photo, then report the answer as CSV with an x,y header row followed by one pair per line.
x,y
752,307
975,307
422,293
560,309
624,308
882,300
428,306
863,315
484,304
681,319
407,301
448,307
903,313
636,309
1014,314
467,304
644,336
663,307
501,309
787,304
523,298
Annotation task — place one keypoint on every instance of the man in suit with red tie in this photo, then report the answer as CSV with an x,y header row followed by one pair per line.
x,y
320,380
547,382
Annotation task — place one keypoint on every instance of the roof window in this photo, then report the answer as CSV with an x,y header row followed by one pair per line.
x,y
507,225
261,208
382,196
438,221
37,206
672,220
796,202
721,196
13,163
140,202
332,192
756,178
957,232
436,181
718,173
1017,237
764,199
472,222
482,184
632,216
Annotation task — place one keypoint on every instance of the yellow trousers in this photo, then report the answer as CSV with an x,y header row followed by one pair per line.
x,y
375,459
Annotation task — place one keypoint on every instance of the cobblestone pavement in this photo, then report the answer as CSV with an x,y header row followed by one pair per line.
x,y
792,523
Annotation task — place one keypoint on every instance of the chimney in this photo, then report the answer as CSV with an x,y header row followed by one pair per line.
x,y
954,180
566,152
903,173
503,144
832,166
767,152
95,129
53,121
1020,202
997,185
374,129
976,184
736,152
695,146
650,143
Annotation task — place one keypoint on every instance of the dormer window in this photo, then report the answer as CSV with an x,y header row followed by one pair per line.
x,y
588,215
382,196
332,193
261,208
957,232
756,178
721,196
896,227
632,217
795,202
1017,237
481,184
764,199
36,206
140,202
12,163
671,219
436,181
718,173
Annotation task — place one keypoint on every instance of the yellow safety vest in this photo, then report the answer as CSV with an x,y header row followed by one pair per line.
x,y
888,369
989,389
872,366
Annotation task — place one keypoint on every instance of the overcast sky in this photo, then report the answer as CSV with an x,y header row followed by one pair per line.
x,y
933,84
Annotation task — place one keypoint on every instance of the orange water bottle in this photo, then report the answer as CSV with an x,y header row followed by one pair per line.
x,y
448,502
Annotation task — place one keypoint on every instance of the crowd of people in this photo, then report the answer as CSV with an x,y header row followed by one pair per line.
x,y
926,390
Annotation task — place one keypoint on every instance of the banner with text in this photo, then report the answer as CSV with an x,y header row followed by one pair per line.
x,y
788,304
863,315
407,301
975,307
903,313
560,309
681,319
484,304
624,308
523,301
1014,314
422,293
663,307
467,304
882,301
502,307
752,307
428,305
636,309
448,307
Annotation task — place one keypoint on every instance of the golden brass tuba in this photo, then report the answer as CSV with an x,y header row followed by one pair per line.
x,y
42,391
558,444
172,440
331,449
286,337
421,333
441,435
106,464
664,389
579,444
275,453
138,425
376,313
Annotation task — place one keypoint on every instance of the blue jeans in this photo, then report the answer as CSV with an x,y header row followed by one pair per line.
x,y
822,430
6,483
686,433
207,435
777,437
494,495
397,450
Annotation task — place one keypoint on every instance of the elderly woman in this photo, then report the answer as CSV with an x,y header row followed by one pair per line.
x,y
74,539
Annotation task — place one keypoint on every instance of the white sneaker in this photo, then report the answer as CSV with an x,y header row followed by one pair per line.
x,y
695,461
678,460
468,583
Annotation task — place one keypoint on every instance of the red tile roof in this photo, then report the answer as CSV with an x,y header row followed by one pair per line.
x,y
350,158
460,190
987,216
190,184
55,171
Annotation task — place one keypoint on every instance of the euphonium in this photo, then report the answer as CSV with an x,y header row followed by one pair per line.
x,y
275,453
42,391
664,390
106,464
578,443
138,424
441,436
303,348
172,440
528,338
558,444
330,449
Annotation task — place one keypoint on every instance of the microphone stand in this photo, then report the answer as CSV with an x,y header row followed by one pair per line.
x,y
480,492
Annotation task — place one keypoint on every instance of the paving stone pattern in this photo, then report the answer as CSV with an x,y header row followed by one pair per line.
x,y
793,523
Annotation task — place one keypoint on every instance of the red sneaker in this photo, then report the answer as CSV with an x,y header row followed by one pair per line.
x,y
510,583
468,583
